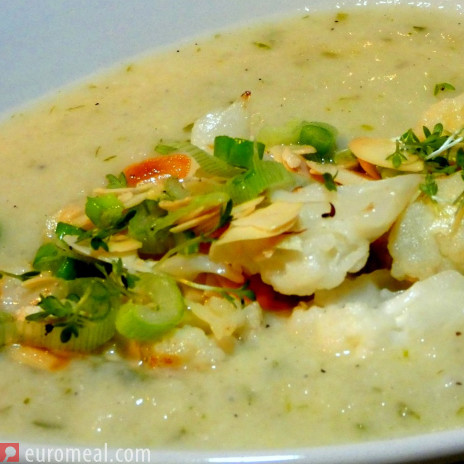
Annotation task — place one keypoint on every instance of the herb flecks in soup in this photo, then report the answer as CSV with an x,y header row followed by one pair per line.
x,y
243,231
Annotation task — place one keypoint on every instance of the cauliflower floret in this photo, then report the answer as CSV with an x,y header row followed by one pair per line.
x,y
185,346
413,319
436,302
224,317
429,236
228,320
322,246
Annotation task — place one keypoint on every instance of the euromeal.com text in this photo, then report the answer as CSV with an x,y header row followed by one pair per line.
x,y
14,452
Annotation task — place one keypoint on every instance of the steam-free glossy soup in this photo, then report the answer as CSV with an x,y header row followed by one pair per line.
x,y
342,371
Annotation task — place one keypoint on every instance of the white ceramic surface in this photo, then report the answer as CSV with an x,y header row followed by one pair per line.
x,y
45,44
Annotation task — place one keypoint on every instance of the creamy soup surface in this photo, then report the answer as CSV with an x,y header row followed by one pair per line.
x,y
340,372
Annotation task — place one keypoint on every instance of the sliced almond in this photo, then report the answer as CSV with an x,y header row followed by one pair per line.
x,y
377,150
272,218
246,208
265,223
342,176
122,244
192,222
172,205
74,214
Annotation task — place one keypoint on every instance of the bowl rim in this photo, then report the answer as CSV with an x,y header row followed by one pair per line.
x,y
18,65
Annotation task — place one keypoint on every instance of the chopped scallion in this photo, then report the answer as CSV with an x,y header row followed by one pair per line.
x,y
157,306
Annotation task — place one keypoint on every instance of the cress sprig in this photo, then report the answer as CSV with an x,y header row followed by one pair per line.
x,y
435,149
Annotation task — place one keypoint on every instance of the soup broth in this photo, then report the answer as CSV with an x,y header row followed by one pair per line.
x,y
329,375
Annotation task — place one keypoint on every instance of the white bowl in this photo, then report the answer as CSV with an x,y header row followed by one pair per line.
x,y
47,44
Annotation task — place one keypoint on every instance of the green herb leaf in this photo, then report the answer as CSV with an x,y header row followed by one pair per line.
x,y
88,300
68,332
52,306
22,277
442,87
262,45
429,187
116,182
63,229
63,263
329,181
165,149
434,148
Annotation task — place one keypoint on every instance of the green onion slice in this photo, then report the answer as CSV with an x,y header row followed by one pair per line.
x,y
209,165
238,152
264,176
321,136
157,306
91,334
81,321
104,211
287,134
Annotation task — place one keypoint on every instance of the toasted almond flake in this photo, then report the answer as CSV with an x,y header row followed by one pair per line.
x,y
116,250
246,208
75,215
172,205
377,150
134,200
122,244
126,196
193,214
239,234
343,176
40,281
264,226
370,169
140,188
132,196
278,151
291,160
272,218
292,156
193,222
208,225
